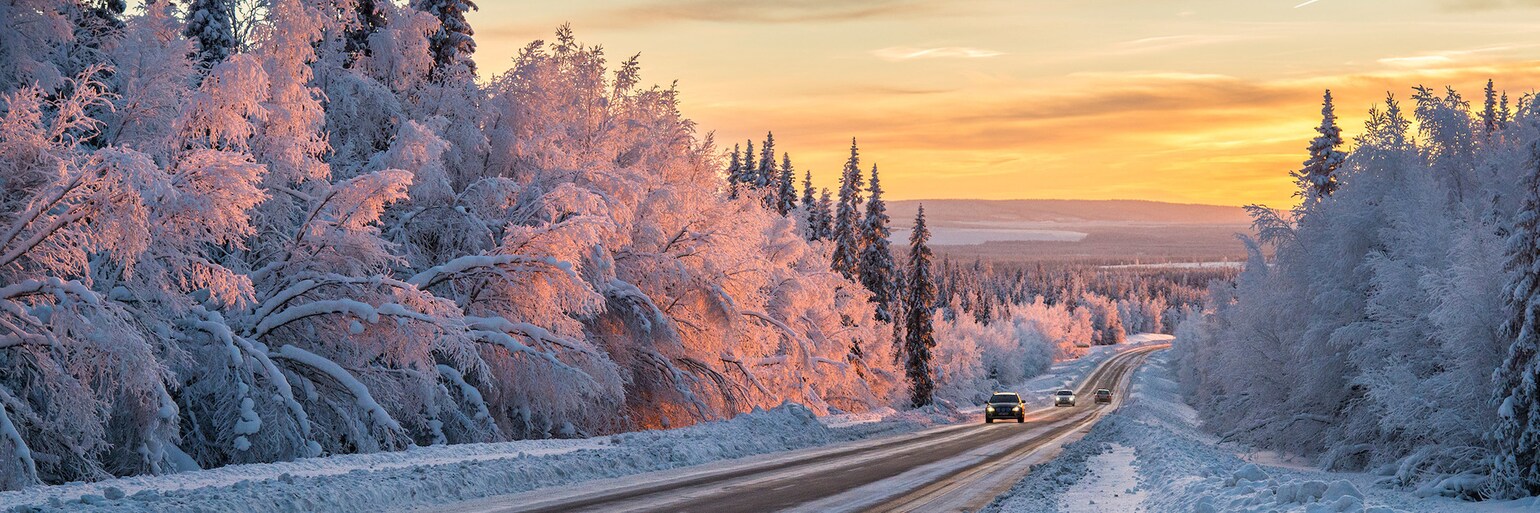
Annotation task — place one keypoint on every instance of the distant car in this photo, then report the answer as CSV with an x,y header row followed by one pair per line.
x,y
1103,396
1005,405
1064,398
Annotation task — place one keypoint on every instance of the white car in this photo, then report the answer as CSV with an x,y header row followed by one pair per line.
x,y
1064,398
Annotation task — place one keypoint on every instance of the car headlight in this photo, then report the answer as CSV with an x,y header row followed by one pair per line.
x,y
1018,408
989,409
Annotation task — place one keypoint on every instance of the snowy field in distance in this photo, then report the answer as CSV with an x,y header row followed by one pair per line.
x,y
950,236
1177,467
1179,265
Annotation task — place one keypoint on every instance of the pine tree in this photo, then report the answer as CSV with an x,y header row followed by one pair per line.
x,y
823,218
1516,466
734,172
211,24
919,300
876,262
809,201
786,187
847,215
452,44
1318,179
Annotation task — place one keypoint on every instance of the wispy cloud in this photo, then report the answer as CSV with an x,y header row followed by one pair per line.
x,y
904,53
1175,42
1487,5
1447,57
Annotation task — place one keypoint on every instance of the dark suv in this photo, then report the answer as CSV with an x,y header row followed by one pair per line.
x,y
1005,405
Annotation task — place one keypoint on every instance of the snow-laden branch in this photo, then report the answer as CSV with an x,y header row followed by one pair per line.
x,y
470,393
9,433
437,274
359,309
530,331
214,324
51,285
355,387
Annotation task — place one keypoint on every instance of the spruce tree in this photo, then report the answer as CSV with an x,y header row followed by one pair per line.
x,y
734,172
786,187
876,262
823,214
452,44
766,173
1318,178
1489,114
919,300
746,177
847,217
1516,464
808,199
369,16
211,26
1503,114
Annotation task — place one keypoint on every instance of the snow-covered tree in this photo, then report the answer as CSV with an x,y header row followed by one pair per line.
x,y
786,187
1318,178
734,171
211,25
1490,117
919,301
452,44
809,196
365,18
1381,307
821,218
1516,459
766,174
876,260
847,218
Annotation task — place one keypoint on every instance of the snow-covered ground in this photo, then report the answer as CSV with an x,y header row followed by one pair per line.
x,y
435,475
1150,456
426,476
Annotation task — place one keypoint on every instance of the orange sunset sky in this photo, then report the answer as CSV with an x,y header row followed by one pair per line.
x,y
1200,101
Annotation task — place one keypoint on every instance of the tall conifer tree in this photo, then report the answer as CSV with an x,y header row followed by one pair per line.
x,y
823,217
876,262
1318,178
919,300
809,199
786,187
847,217
1516,464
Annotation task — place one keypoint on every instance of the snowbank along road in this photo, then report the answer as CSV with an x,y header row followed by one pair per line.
x,y
949,468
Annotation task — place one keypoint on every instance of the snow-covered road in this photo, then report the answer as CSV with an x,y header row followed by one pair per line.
x,y
949,468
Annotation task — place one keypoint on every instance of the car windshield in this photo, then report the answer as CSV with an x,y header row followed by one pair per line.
x,y
1103,392
1005,398
1066,392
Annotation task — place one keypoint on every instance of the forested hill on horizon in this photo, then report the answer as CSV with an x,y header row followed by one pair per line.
x,y
987,212
1108,232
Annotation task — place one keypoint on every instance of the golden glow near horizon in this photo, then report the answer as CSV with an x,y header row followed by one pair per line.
x,y
1198,101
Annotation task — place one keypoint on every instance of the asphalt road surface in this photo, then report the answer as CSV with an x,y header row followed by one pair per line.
x,y
950,468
